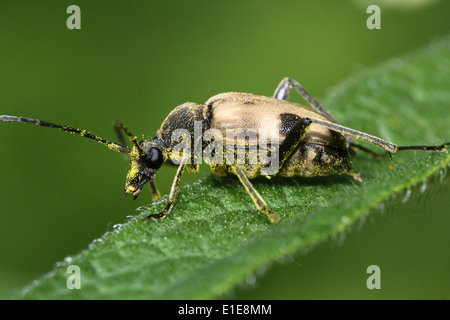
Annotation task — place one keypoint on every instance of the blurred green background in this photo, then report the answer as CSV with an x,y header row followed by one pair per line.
x,y
134,61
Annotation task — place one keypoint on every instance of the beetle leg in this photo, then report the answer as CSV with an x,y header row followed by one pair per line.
x,y
282,93
256,197
386,145
366,150
283,90
154,190
156,195
119,134
172,196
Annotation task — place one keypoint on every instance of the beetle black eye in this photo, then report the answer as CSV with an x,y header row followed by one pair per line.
x,y
155,158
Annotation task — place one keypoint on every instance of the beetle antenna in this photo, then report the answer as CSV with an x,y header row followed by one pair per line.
x,y
111,145
442,147
133,138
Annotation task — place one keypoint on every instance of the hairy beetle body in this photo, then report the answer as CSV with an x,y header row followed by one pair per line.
x,y
320,152
243,134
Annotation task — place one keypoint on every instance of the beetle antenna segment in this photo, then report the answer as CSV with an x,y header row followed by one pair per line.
x,y
133,138
111,145
388,146
442,147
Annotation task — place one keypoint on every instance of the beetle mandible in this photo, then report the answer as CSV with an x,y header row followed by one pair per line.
x,y
309,142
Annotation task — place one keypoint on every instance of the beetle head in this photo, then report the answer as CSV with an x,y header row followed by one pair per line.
x,y
146,158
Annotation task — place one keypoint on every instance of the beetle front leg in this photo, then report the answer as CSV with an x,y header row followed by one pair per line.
x,y
172,196
154,191
156,195
119,134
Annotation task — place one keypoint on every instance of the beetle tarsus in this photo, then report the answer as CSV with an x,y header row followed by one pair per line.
x,y
273,217
155,216
162,214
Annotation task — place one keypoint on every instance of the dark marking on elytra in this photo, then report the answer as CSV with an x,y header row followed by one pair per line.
x,y
288,120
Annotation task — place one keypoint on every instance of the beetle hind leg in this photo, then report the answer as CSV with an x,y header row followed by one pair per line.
x,y
283,90
282,93
373,154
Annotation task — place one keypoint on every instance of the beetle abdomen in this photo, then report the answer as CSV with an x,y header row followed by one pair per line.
x,y
316,160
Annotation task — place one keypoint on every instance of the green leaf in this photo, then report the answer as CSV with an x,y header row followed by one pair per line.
x,y
213,238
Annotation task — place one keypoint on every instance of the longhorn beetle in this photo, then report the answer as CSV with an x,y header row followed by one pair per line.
x,y
304,142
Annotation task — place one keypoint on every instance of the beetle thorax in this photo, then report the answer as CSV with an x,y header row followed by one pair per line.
x,y
188,117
